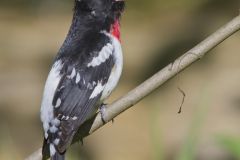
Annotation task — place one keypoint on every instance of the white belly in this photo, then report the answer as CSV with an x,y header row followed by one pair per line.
x,y
49,90
117,69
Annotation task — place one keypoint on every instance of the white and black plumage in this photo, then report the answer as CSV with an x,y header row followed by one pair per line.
x,y
85,71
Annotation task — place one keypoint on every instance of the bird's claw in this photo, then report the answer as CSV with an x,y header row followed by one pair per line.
x,y
102,110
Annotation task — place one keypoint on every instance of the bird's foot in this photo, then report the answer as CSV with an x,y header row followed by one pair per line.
x,y
102,110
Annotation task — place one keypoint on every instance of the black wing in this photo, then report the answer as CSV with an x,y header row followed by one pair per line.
x,y
77,97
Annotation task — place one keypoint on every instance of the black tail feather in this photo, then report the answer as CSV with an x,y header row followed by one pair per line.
x,y
46,152
58,156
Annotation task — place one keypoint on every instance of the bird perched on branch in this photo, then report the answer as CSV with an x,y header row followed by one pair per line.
x,y
85,71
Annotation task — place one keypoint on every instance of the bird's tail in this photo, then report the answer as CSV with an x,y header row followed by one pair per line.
x,y
45,150
58,156
46,153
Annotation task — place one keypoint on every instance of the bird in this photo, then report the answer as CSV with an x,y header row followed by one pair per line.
x,y
84,72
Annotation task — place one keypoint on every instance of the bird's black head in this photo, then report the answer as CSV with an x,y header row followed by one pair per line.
x,y
101,14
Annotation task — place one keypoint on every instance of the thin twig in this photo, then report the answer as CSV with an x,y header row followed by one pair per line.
x,y
155,81
183,99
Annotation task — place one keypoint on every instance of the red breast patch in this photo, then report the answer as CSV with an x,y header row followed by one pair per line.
x,y
115,30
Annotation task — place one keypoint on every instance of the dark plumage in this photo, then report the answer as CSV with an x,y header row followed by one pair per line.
x,y
85,71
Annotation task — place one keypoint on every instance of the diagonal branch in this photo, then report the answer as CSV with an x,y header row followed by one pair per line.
x,y
143,90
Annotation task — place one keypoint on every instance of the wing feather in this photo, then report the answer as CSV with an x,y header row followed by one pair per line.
x,y
78,100
74,88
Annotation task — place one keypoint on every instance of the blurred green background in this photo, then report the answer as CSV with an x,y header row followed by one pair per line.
x,y
154,33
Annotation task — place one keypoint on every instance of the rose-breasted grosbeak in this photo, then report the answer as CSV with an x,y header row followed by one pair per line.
x,y
85,71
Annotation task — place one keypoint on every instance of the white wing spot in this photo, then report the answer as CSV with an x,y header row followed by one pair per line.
x,y
53,129
74,118
46,135
55,122
97,90
56,141
90,86
109,48
103,55
78,78
93,13
73,74
52,150
58,103
59,89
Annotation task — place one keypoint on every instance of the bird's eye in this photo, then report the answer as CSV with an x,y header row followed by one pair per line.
x,y
118,5
83,6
